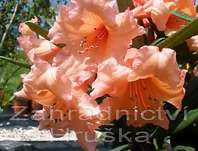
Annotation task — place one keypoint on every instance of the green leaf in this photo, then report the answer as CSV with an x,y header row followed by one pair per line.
x,y
37,29
60,45
121,148
139,41
183,148
181,35
157,41
155,143
40,31
182,16
124,4
10,60
189,118
101,99
1,110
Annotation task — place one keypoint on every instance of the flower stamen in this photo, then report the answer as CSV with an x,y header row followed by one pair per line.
x,y
95,39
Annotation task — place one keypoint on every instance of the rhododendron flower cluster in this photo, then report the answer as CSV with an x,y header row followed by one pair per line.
x,y
160,12
98,60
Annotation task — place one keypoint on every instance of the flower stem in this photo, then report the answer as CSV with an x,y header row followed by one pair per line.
x,y
24,65
9,25
180,36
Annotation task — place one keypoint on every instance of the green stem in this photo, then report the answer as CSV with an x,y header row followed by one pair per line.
x,y
155,144
154,132
180,36
9,25
182,16
14,62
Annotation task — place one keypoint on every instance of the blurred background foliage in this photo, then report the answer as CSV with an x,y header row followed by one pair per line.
x,y
12,13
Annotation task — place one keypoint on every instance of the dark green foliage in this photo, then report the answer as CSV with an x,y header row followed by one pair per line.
x,y
124,4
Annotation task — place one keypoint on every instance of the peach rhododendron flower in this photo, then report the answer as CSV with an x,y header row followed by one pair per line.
x,y
164,20
193,43
140,2
62,88
160,12
47,84
154,78
94,28
59,121
34,46
97,55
